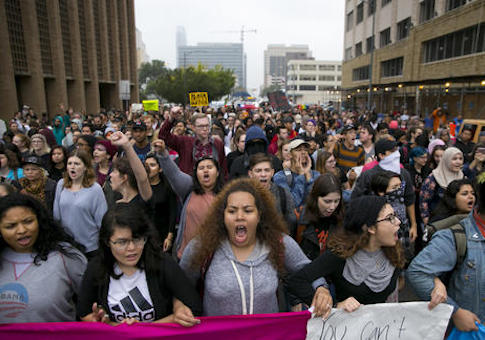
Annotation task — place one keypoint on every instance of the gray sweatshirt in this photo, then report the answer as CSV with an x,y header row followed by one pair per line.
x,y
81,212
222,291
42,293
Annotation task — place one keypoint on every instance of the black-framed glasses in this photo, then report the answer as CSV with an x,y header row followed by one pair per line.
x,y
392,218
123,243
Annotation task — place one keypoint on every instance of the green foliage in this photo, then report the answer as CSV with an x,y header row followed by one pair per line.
x,y
174,85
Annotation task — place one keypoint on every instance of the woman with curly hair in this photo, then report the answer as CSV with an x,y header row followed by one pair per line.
x,y
363,260
459,198
242,252
40,267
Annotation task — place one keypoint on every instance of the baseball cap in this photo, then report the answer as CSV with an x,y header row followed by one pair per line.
x,y
33,159
297,142
139,125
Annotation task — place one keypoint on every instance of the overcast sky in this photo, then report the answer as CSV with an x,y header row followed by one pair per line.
x,y
317,23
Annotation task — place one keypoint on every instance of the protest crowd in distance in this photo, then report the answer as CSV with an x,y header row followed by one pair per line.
x,y
166,216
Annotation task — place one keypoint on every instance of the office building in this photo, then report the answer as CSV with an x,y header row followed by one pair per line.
x,y
228,55
180,37
314,81
81,53
276,58
141,52
415,55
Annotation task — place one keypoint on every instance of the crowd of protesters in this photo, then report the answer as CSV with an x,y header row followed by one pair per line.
x,y
123,217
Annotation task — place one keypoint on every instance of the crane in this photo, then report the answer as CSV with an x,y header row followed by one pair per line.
x,y
242,32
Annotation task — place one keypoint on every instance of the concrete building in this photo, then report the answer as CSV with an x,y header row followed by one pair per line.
x,y
81,53
180,38
276,58
141,52
314,81
228,55
428,53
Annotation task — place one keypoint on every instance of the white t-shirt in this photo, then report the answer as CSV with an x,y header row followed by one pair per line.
x,y
129,297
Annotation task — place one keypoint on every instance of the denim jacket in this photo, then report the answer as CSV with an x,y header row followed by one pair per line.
x,y
466,288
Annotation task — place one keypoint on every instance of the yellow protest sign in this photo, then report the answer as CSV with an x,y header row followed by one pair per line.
x,y
199,99
150,105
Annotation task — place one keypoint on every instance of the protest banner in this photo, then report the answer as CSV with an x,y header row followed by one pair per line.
x,y
386,321
199,99
288,326
136,107
279,101
150,105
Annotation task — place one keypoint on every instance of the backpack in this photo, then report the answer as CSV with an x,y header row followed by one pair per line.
x,y
458,230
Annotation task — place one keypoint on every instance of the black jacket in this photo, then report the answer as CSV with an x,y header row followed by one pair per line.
x,y
169,283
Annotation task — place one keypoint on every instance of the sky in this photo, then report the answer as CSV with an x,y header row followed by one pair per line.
x,y
316,23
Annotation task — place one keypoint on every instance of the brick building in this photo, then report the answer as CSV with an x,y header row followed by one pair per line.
x,y
76,52
425,53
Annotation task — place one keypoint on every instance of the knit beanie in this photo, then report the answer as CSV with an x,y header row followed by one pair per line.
x,y
363,211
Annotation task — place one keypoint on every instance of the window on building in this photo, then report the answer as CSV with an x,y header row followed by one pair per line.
x,y
385,2
360,73
456,44
371,7
350,19
426,10
306,67
403,28
339,78
385,37
339,68
452,4
292,87
308,88
392,67
369,44
326,78
293,77
326,67
307,77
358,49
348,53
360,13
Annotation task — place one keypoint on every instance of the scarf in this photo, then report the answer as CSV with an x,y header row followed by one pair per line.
x,y
373,269
34,188
443,173
392,162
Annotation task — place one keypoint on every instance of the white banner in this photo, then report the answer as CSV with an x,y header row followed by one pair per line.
x,y
385,321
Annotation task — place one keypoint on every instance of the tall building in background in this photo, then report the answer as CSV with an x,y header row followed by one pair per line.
x,y
81,53
276,58
180,39
228,55
141,52
415,55
314,81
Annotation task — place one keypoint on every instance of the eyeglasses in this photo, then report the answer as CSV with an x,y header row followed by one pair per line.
x,y
391,218
202,126
123,243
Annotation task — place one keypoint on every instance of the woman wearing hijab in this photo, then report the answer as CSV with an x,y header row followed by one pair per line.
x,y
58,129
448,170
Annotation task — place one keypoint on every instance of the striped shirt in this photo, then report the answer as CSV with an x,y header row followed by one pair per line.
x,y
348,158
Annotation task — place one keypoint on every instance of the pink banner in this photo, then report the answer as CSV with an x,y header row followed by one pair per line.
x,y
286,326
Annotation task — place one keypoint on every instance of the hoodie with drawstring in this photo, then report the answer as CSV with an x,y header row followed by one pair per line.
x,y
232,287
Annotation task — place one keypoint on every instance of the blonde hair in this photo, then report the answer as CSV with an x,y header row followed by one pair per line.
x,y
46,149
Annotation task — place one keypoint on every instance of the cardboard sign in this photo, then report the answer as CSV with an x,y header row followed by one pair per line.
x,y
150,105
407,320
199,99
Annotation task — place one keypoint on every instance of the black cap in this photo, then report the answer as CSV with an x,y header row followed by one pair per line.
x,y
33,159
348,128
383,145
139,125
288,119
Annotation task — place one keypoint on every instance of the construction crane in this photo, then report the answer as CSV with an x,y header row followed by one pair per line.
x,y
242,32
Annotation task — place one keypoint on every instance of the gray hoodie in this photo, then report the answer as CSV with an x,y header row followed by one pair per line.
x,y
227,279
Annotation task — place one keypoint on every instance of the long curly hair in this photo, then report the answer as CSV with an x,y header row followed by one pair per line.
x,y
51,237
269,231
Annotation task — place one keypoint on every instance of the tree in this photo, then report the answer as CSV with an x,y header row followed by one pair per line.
x,y
151,71
175,85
